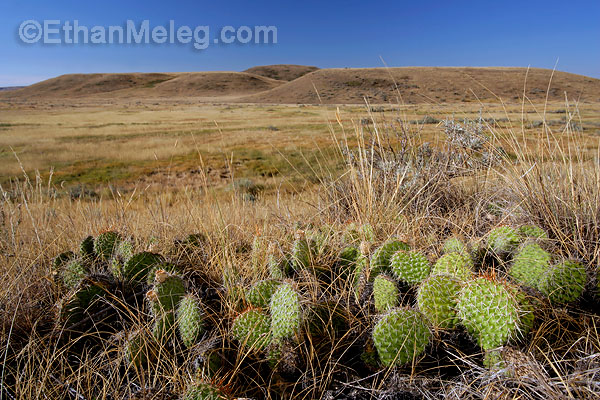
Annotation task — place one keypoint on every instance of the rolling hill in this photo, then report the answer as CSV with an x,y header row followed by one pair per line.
x,y
295,84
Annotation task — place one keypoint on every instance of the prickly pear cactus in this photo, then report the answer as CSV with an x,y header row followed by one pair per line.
x,y
74,306
106,244
490,311
347,260
122,254
563,282
503,240
259,295
252,329
140,349
526,310
302,255
400,336
459,265
190,320
138,266
410,266
454,245
354,233
62,259
171,268
385,293
74,272
86,248
163,329
437,299
203,391
167,292
279,266
357,278
530,264
381,258
286,313
532,231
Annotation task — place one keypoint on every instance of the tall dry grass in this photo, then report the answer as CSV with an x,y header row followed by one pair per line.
x,y
463,184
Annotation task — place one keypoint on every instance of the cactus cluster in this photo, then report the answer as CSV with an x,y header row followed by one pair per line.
x,y
392,305
382,256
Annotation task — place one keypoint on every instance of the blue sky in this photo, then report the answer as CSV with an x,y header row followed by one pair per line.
x,y
322,33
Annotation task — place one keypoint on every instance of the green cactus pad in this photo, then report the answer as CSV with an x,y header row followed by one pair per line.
x,y
138,266
167,266
122,253
163,329
168,292
86,248
490,311
530,264
190,320
279,267
400,336
140,349
564,282
301,255
285,312
454,245
459,265
526,311
203,391
381,257
252,329
532,231
503,240
106,244
62,259
73,272
347,261
410,266
354,233
437,299
385,293
259,295
74,305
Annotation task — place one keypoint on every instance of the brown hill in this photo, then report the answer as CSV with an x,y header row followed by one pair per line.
x,y
146,85
283,72
429,85
408,85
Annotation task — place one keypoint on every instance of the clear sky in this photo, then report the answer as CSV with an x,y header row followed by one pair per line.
x,y
321,33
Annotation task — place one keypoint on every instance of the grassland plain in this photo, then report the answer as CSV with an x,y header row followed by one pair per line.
x,y
245,175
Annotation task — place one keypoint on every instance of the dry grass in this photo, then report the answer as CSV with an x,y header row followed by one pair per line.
x,y
554,185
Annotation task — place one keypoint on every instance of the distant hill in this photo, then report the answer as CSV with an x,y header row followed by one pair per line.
x,y
292,84
8,88
143,85
283,72
429,85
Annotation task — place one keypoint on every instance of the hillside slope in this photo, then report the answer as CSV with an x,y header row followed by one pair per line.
x,y
409,85
146,85
429,85
284,72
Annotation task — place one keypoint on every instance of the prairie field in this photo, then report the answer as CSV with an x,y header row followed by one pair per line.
x,y
254,182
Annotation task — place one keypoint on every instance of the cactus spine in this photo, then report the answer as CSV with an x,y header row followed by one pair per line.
x,y
285,312
400,336
410,266
190,320
385,293
437,299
